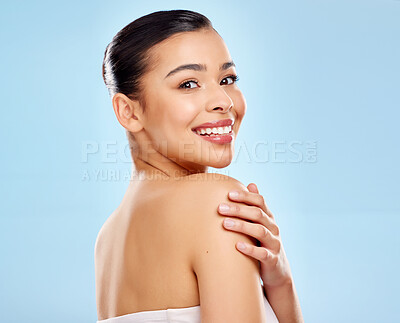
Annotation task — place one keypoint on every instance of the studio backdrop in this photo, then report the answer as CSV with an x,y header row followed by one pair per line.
x,y
320,139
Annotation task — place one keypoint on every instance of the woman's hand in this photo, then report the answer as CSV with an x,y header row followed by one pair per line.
x,y
274,266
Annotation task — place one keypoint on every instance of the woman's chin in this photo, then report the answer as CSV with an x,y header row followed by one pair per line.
x,y
220,165
222,162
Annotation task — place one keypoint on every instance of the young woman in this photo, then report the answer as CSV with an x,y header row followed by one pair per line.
x,y
164,254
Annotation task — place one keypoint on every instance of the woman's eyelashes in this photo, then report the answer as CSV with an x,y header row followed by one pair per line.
x,y
235,78
184,84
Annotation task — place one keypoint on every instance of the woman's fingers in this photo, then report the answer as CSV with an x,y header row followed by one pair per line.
x,y
252,187
258,231
250,198
260,253
251,213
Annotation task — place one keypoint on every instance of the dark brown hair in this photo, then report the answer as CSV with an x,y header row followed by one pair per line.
x,y
126,58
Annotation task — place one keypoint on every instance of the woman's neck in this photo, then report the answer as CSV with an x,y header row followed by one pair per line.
x,y
162,168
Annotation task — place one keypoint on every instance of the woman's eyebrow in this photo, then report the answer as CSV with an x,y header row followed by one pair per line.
x,y
198,67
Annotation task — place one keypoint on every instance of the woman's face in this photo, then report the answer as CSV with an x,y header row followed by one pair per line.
x,y
180,101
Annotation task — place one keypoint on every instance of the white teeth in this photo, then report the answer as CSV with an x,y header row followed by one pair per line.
x,y
216,130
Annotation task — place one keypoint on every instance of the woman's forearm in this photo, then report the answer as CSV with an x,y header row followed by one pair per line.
x,y
285,303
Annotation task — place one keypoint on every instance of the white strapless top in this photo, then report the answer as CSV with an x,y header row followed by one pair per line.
x,y
176,315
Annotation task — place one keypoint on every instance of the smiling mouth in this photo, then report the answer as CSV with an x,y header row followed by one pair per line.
x,y
211,132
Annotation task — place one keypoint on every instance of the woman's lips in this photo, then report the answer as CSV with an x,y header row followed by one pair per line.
x,y
216,124
218,139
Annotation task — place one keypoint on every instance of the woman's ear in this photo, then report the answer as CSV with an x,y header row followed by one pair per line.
x,y
128,112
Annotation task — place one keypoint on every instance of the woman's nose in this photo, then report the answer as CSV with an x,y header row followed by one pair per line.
x,y
219,100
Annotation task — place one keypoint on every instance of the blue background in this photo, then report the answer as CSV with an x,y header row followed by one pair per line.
x,y
323,73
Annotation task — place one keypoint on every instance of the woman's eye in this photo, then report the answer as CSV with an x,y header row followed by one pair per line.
x,y
186,85
183,85
234,78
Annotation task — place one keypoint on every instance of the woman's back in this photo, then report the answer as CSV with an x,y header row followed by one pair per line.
x,y
141,258
145,251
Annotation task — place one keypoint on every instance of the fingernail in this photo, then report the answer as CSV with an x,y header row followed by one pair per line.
x,y
241,246
224,207
228,223
234,194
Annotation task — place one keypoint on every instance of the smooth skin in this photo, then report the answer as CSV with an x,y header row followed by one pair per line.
x,y
229,283
165,245
274,265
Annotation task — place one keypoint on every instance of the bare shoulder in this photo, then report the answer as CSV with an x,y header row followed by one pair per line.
x,y
203,189
203,180
195,202
228,281
200,194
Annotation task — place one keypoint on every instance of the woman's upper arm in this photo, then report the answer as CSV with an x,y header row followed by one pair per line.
x,y
228,281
